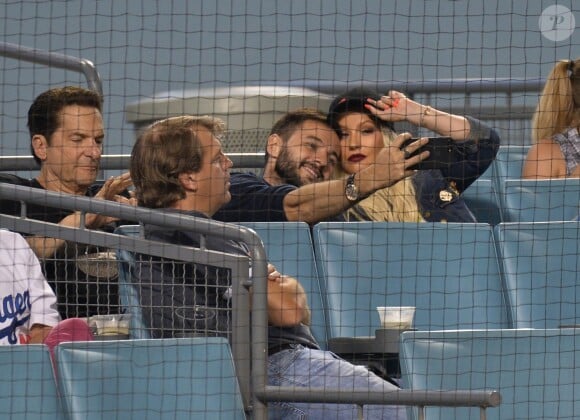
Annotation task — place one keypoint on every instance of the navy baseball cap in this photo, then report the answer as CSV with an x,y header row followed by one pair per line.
x,y
354,100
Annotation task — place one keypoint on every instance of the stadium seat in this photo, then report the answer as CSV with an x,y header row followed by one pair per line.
x,y
289,247
527,200
184,378
449,272
482,200
536,371
541,270
128,294
509,162
28,386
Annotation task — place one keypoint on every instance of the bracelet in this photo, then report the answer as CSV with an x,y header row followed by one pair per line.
x,y
427,111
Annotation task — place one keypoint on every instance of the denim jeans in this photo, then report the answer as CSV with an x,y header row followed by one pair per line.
x,y
302,366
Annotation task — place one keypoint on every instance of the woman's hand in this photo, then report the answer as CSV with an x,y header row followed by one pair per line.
x,y
392,163
394,106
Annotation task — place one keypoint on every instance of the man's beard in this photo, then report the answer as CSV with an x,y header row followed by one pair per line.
x,y
288,170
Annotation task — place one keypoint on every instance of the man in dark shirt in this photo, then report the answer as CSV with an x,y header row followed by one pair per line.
x,y
301,154
66,129
178,165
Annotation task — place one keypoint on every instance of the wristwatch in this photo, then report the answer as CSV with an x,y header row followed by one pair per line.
x,y
351,190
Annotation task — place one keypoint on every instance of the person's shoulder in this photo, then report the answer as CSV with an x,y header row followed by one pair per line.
x,y
545,149
544,160
11,241
16,180
241,177
254,182
175,236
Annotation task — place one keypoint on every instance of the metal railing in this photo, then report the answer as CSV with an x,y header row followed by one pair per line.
x,y
52,59
121,162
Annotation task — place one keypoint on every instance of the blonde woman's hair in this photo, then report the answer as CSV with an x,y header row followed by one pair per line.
x,y
397,203
559,104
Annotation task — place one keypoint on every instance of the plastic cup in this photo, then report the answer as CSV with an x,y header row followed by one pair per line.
x,y
396,317
195,314
197,321
112,324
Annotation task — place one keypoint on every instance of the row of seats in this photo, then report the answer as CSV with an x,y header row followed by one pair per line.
x,y
459,276
500,294
185,378
500,195
490,303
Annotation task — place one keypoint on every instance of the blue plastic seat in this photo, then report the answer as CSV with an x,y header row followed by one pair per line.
x,y
184,378
289,247
509,162
482,200
527,200
28,388
536,371
449,272
541,270
128,293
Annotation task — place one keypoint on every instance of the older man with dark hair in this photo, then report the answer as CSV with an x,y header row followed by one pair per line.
x,y
67,135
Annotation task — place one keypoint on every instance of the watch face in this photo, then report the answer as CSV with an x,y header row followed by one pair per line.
x,y
351,190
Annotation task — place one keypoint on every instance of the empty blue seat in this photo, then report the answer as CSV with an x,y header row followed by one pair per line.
x,y
128,293
449,272
482,200
527,200
289,247
536,371
28,388
184,378
541,270
509,162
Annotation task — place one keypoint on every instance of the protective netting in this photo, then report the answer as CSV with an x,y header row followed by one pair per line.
x,y
495,301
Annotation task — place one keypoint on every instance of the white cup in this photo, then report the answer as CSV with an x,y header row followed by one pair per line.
x,y
396,317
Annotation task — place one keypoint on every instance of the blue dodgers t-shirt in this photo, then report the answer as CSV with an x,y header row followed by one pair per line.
x,y
254,200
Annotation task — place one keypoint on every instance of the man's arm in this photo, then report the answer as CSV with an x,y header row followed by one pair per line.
x,y
45,247
316,202
43,313
38,333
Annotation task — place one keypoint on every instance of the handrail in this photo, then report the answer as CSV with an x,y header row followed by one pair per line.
x,y
121,162
421,398
496,85
52,59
